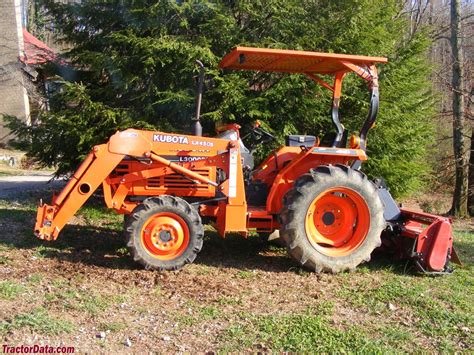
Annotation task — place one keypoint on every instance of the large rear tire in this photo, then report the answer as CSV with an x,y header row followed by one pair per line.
x,y
164,233
332,219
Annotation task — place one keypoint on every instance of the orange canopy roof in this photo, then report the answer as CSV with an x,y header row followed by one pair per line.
x,y
291,61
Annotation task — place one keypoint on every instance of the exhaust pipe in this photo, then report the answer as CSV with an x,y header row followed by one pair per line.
x,y
197,127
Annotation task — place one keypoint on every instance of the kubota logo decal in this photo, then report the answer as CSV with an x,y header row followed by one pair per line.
x,y
166,138
170,139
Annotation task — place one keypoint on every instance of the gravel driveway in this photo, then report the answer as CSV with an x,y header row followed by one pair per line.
x,y
12,186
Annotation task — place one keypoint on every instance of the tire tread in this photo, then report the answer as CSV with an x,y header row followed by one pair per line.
x,y
172,202
294,234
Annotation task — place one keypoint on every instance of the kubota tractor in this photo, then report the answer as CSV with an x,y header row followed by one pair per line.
x,y
329,214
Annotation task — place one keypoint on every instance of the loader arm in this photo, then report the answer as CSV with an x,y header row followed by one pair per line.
x,y
91,173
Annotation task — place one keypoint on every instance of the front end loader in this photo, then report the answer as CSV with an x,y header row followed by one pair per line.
x,y
330,216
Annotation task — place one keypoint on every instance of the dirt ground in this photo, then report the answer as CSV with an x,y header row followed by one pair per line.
x,y
83,290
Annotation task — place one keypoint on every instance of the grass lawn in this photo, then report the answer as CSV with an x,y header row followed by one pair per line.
x,y
84,290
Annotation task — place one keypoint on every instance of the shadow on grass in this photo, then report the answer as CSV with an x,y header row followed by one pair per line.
x,y
464,245
91,245
105,247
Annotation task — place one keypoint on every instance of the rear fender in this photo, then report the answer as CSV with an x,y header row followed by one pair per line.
x,y
307,159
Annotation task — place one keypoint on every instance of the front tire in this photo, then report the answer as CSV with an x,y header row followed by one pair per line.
x,y
332,219
164,233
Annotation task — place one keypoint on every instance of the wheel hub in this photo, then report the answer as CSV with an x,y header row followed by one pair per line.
x,y
328,218
337,221
165,236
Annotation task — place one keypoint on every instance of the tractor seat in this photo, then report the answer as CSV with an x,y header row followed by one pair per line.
x,y
233,134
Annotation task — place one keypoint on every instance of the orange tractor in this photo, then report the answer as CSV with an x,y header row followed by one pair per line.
x,y
330,216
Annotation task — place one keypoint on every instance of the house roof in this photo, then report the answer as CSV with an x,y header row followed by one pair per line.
x,y
36,52
291,61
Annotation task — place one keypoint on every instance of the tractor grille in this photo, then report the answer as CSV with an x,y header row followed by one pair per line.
x,y
169,184
179,182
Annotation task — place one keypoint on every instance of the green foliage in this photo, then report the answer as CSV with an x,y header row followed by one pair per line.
x,y
138,71
299,333
9,290
112,327
399,145
37,320
86,301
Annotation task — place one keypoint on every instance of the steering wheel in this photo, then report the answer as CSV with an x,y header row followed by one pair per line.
x,y
262,133
258,136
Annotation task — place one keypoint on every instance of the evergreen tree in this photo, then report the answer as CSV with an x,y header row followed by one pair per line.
x,y
138,60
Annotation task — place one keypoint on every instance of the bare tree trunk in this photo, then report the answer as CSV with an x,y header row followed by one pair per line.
x,y
460,129
470,200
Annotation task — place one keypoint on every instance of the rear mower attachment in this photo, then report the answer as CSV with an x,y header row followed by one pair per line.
x,y
425,238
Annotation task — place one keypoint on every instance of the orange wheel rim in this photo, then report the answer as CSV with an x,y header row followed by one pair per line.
x,y
337,221
165,236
